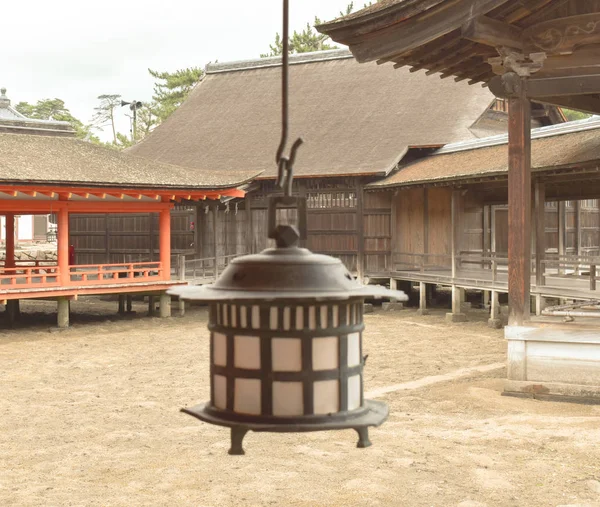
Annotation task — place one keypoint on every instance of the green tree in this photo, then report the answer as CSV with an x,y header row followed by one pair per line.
x,y
573,115
306,41
171,89
104,115
55,109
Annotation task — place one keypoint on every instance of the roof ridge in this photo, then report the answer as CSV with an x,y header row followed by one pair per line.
x,y
275,61
538,133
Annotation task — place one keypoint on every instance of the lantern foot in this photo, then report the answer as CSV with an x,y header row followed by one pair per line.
x,y
237,437
363,438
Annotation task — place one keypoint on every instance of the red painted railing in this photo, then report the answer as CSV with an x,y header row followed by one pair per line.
x,y
115,273
37,274
19,277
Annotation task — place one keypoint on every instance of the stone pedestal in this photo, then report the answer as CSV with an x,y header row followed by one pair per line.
x,y
456,317
392,307
554,361
368,308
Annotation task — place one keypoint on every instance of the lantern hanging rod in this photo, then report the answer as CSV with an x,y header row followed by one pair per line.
x,y
285,164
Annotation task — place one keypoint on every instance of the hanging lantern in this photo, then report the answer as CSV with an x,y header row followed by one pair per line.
x,y
286,341
286,329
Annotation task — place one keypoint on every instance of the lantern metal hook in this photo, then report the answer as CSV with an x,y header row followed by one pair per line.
x,y
285,164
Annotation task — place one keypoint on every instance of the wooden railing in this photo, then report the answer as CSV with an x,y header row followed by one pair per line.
x,y
39,276
207,268
114,273
572,267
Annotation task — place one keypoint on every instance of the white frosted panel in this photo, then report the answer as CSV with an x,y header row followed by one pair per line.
x,y
354,349
312,318
286,354
287,399
336,315
326,396
233,315
354,392
324,322
225,315
219,349
243,316
287,318
255,317
325,353
273,317
247,396
220,392
246,353
299,317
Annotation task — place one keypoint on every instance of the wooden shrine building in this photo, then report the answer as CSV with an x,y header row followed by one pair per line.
x,y
45,170
537,51
359,123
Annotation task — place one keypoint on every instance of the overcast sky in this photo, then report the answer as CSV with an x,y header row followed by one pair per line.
x,y
76,50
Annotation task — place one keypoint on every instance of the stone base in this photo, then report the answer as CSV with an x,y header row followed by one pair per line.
x,y
422,312
368,308
392,307
495,323
553,391
549,360
456,317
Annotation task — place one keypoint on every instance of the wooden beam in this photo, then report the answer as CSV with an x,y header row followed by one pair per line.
x,y
586,103
519,207
436,22
492,32
563,86
360,233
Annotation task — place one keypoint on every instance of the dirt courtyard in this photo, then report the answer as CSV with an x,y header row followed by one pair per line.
x,y
90,417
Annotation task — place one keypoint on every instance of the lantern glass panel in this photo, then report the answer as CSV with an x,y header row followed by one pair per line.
x,y
353,349
325,353
287,354
326,397
219,349
354,392
247,396
247,352
288,399
220,392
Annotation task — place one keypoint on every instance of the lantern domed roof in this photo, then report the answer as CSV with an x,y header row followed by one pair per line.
x,y
285,273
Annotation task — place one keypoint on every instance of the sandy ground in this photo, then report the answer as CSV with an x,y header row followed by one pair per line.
x,y
90,417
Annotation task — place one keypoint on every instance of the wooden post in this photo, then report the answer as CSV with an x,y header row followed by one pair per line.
x,y
165,305
519,207
165,242
63,307
129,304
249,225
151,306
64,275
540,243
562,236
181,307
360,217
197,215
13,310
486,232
426,223
10,241
121,304
455,220
181,269
540,232
216,246
495,320
423,299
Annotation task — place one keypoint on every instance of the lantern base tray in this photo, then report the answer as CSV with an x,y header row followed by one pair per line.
x,y
373,415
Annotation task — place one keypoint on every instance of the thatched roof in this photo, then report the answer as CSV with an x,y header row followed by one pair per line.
x,y
355,119
563,146
68,161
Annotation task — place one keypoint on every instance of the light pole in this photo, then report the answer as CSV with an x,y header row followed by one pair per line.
x,y
133,106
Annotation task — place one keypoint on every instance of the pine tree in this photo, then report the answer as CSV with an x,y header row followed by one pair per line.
x,y
171,89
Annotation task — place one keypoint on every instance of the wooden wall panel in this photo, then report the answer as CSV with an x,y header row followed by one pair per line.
x,y
440,224
409,237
